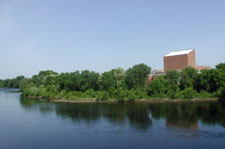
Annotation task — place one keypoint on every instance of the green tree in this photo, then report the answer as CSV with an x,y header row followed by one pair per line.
x,y
11,83
1,83
26,83
157,88
88,80
112,79
221,66
45,78
222,93
103,95
211,80
137,75
107,81
69,81
119,75
188,93
172,78
188,77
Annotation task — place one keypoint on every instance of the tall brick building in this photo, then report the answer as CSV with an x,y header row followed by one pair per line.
x,y
179,60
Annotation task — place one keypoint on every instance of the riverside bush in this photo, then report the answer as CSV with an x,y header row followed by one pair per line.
x,y
188,93
102,96
222,93
132,96
203,94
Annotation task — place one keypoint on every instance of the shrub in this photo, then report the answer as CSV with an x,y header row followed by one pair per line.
x,y
188,93
157,88
105,96
102,96
203,94
174,93
222,93
33,91
132,95
121,94
90,93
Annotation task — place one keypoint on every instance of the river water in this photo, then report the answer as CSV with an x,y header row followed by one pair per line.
x,y
31,124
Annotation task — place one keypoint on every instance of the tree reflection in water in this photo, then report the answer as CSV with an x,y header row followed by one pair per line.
x,y
138,116
188,114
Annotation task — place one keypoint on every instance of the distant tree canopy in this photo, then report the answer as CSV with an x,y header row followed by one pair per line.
x,y
190,83
211,80
188,78
221,66
112,79
158,88
1,83
11,83
120,84
136,76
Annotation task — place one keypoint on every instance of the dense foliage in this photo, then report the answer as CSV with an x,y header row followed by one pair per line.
x,y
11,83
123,85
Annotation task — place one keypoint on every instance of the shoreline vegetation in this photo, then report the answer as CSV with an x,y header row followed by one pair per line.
x,y
119,85
152,100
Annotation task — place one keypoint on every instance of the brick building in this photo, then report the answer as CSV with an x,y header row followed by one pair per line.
x,y
179,60
176,60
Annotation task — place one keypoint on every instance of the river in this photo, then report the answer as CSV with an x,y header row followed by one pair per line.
x,y
33,124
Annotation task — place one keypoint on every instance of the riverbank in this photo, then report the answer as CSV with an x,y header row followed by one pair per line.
x,y
152,100
139,101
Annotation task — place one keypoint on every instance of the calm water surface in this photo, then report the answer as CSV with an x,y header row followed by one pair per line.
x,y
39,124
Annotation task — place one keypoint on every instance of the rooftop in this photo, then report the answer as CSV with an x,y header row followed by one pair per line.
x,y
174,53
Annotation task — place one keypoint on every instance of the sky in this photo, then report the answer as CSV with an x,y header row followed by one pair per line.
x,y
99,35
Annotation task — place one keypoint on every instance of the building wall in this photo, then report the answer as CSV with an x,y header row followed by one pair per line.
x,y
202,67
191,59
177,62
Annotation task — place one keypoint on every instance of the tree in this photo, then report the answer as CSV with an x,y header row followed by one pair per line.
x,y
222,93
1,83
88,80
69,81
112,79
11,83
137,75
107,81
119,75
188,77
211,80
188,93
172,78
45,78
221,66
157,88
26,83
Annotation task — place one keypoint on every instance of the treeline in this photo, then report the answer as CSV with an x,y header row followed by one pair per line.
x,y
190,83
11,83
126,85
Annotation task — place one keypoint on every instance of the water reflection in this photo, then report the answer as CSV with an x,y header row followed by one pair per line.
x,y
188,114
138,116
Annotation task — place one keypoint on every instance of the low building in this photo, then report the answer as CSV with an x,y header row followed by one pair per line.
x,y
154,74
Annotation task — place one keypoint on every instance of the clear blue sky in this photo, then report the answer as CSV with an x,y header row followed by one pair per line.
x,y
69,35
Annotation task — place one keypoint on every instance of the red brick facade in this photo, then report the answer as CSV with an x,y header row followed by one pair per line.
x,y
179,62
